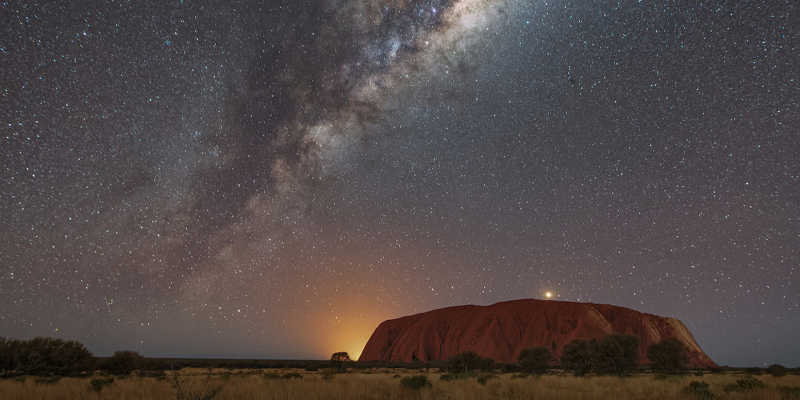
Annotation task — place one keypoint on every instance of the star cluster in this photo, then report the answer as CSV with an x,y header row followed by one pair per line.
x,y
275,178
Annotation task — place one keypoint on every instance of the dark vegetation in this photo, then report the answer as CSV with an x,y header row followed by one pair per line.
x,y
535,360
123,362
48,359
667,356
576,356
44,357
415,382
468,363
340,361
615,354
777,370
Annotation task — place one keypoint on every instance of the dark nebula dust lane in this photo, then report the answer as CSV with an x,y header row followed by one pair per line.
x,y
274,179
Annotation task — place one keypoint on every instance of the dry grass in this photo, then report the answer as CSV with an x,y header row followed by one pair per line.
x,y
357,386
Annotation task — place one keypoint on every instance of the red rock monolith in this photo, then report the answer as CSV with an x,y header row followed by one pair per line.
x,y
502,330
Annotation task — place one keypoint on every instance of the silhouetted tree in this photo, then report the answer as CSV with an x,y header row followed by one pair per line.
x,y
123,362
8,355
339,361
48,356
468,362
535,360
615,354
668,356
777,370
577,357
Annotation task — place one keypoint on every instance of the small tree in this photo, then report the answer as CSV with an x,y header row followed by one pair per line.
x,y
339,361
535,360
415,382
668,356
43,356
8,355
777,370
123,362
577,357
468,362
615,354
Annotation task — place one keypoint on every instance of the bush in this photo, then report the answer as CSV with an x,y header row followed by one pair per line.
x,y
290,375
699,390
97,384
328,374
668,356
339,361
747,384
576,356
123,362
48,357
467,363
415,382
535,360
777,370
615,354
485,378
8,355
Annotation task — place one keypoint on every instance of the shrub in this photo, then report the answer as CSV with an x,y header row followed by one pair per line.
x,y
747,384
467,363
97,384
668,356
699,390
535,360
339,361
8,350
48,357
328,374
415,382
615,354
185,389
290,375
777,370
576,356
485,378
123,362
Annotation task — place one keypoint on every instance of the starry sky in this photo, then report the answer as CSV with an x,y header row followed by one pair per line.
x,y
272,179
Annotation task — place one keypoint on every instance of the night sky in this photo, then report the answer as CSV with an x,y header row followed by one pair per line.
x,y
272,179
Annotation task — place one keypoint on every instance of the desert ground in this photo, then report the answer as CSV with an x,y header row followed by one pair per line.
x,y
384,383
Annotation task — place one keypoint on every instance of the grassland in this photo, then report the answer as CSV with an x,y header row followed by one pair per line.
x,y
384,384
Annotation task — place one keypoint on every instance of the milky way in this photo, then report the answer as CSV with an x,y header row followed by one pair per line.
x,y
274,179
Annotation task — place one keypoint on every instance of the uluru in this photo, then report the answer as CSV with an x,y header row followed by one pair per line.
x,y
502,330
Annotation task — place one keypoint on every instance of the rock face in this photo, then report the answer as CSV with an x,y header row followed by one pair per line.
x,y
502,330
